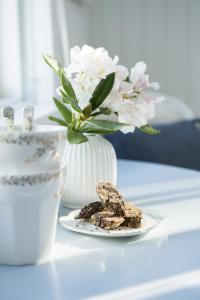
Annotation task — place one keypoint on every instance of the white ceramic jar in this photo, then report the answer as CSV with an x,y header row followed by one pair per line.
x,y
43,146
31,179
87,165
28,215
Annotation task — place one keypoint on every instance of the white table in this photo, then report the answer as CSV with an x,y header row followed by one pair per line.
x,y
165,264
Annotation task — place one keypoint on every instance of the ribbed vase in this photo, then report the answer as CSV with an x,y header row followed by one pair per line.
x,y
87,165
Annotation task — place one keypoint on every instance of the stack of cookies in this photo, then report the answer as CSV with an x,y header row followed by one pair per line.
x,y
112,211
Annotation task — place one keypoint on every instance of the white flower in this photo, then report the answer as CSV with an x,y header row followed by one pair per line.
x,y
88,66
129,91
147,109
139,79
92,62
84,88
137,113
120,88
133,115
121,74
138,108
112,117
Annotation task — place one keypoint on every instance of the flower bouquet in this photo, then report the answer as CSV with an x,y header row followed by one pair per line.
x,y
97,96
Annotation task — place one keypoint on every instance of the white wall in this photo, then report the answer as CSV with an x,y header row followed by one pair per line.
x,y
164,33
78,21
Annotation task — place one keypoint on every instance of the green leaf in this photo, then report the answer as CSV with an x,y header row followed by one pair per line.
x,y
75,137
87,110
65,112
102,111
105,111
101,126
65,97
69,95
68,87
127,79
92,130
54,64
149,130
72,102
57,120
102,91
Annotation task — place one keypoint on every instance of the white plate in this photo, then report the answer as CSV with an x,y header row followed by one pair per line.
x,y
151,219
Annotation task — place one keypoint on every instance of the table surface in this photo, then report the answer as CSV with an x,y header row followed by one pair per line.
x,y
164,264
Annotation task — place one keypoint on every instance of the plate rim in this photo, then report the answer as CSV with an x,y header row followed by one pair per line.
x,y
113,233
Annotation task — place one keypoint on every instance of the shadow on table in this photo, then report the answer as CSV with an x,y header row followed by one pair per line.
x,y
178,197
167,197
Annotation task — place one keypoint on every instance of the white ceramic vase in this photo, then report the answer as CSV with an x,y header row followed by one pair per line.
x,y
87,165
